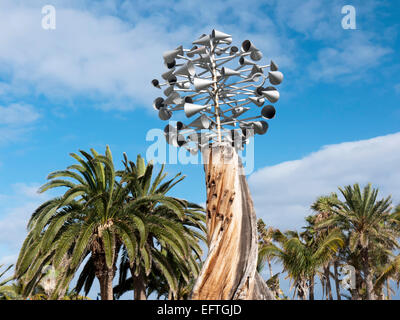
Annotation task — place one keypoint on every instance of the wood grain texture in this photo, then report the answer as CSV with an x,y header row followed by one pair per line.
x,y
229,271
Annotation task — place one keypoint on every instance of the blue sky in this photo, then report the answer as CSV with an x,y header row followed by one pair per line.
x,y
87,85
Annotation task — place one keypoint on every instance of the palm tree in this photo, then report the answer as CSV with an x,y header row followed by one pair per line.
x,y
173,240
301,256
388,272
323,207
368,224
389,263
265,237
86,220
90,220
94,219
6,288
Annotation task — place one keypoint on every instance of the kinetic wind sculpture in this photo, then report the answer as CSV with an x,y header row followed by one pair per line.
x,y
217,86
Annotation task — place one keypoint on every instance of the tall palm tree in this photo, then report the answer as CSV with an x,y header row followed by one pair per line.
x,y
391,271
265,237
323,207
301,256
90,219
93,220
390,268
87,220
172,260
166,229
368,223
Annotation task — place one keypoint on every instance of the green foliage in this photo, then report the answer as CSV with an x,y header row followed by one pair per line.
x,y
359,230
102,212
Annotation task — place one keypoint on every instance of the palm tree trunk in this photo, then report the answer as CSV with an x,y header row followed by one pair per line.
x,y
389,294
327,275
103,274
379,295
336,275
230,270
322,278
368,275
106,284
303,289
270,268
139,287
355,293
312,285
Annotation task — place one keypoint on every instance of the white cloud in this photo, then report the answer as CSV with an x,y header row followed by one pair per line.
x,y
341,55
28,191
16,210
283,193
304,16
97,54
107,52
18,114
9,134
6,261
354,57
16,121
13,225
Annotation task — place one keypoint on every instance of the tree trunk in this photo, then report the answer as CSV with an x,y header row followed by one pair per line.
x,y
139,287
229,271
312,285
389,294
336,274
271,274
327,275
106,284
355,293
369,286
103,273
303,289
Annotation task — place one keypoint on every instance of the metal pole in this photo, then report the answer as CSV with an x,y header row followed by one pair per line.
x,y
215,91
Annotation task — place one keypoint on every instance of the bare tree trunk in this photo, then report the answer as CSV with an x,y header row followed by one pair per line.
x,y
336,274
322,278
303,289
103,273
327,275
271,274
312,285
139,287
229,271
106,288
355,293
368,275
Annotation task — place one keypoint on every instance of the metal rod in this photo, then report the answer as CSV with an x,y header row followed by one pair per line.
x,y
216,99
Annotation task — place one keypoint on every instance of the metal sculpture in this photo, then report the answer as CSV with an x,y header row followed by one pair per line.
x,y
228,97
217,85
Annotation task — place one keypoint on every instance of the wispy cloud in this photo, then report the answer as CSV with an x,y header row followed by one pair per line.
x,y
16,208
107,52
17,114
283,193
16,120
110,53
353,58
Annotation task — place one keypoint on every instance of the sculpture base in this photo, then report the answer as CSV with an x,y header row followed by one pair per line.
x,y
230,270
